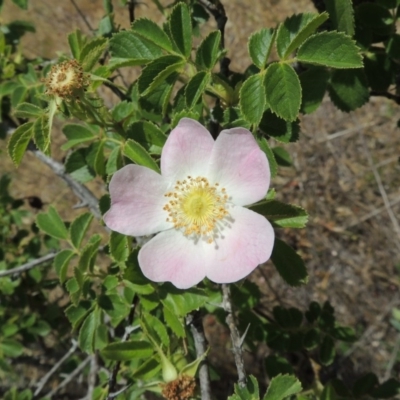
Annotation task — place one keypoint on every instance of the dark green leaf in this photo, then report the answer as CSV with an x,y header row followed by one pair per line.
x,y
134,275
311,339
11,348
89,330
283,215
289,264
331,49
21,4
380,71
273,165
19,141
155,329
287,318
344,334
79,227
77,166
126,351
89,254
208,51
76,134
41,134
157,71
195,88
180,26
314,83
348,89
260,45
138,154
387,390
275,365
327,351
76,314
52,224
152,32
283,91
249,392
282,156
91,52
252,99
281,130
365,384
28,110
295,30
119,246
376,17
282,386
130,46
61,262
146,133
342,15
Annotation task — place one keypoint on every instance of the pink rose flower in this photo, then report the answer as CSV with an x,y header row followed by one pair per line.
x,y
196,205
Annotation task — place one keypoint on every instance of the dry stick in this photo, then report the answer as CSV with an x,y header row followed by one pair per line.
x,y
82,15
92,376
131,8
85,195
393,359
70,377
29,265
236,339
382,190
195,321
113,377
64,358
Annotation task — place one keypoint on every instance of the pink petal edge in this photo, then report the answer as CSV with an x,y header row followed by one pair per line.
x,y
239,165
187,150
137,201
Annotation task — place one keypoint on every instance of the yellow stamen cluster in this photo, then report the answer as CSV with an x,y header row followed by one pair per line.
x,y
196,207
66,80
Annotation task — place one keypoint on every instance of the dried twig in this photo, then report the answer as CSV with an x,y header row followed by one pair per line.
x,y
382,190
82,15
81,191
29,265
131,9
236,339
64,358
92,376
128,329
390,96
70,377
195,322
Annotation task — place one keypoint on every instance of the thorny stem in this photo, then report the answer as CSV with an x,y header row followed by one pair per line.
x,y
113,377
200,342
236,339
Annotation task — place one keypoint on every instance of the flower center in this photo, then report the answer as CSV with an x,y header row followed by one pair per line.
x,y
196,207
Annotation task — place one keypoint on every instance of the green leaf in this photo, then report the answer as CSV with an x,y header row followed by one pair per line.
x,y
196,87
380,71
76,42
283,215
342,15
130,46
119,247
123,110
365,384
260,45
348,89
41,134
273,165
249,392
295,30
155,329
182,302
146,133
79,227
344,334
52,224
376,18
387,390
77,166
61,262
282,386
76,134
89,254
311,339
152,32
174,322
275,365
11,348
91,52
19,141
331,49
133,274
314,83
281,130
27,110
208,52
282,156
115,161
138,154
99,160
88,334
126,351
327,351
252,99
283,91
289,264
180,26
21,4
76,314
157,71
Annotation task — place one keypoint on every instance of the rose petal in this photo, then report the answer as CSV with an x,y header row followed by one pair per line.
x,y
238,164
187,150
248,243
137,201
171,256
